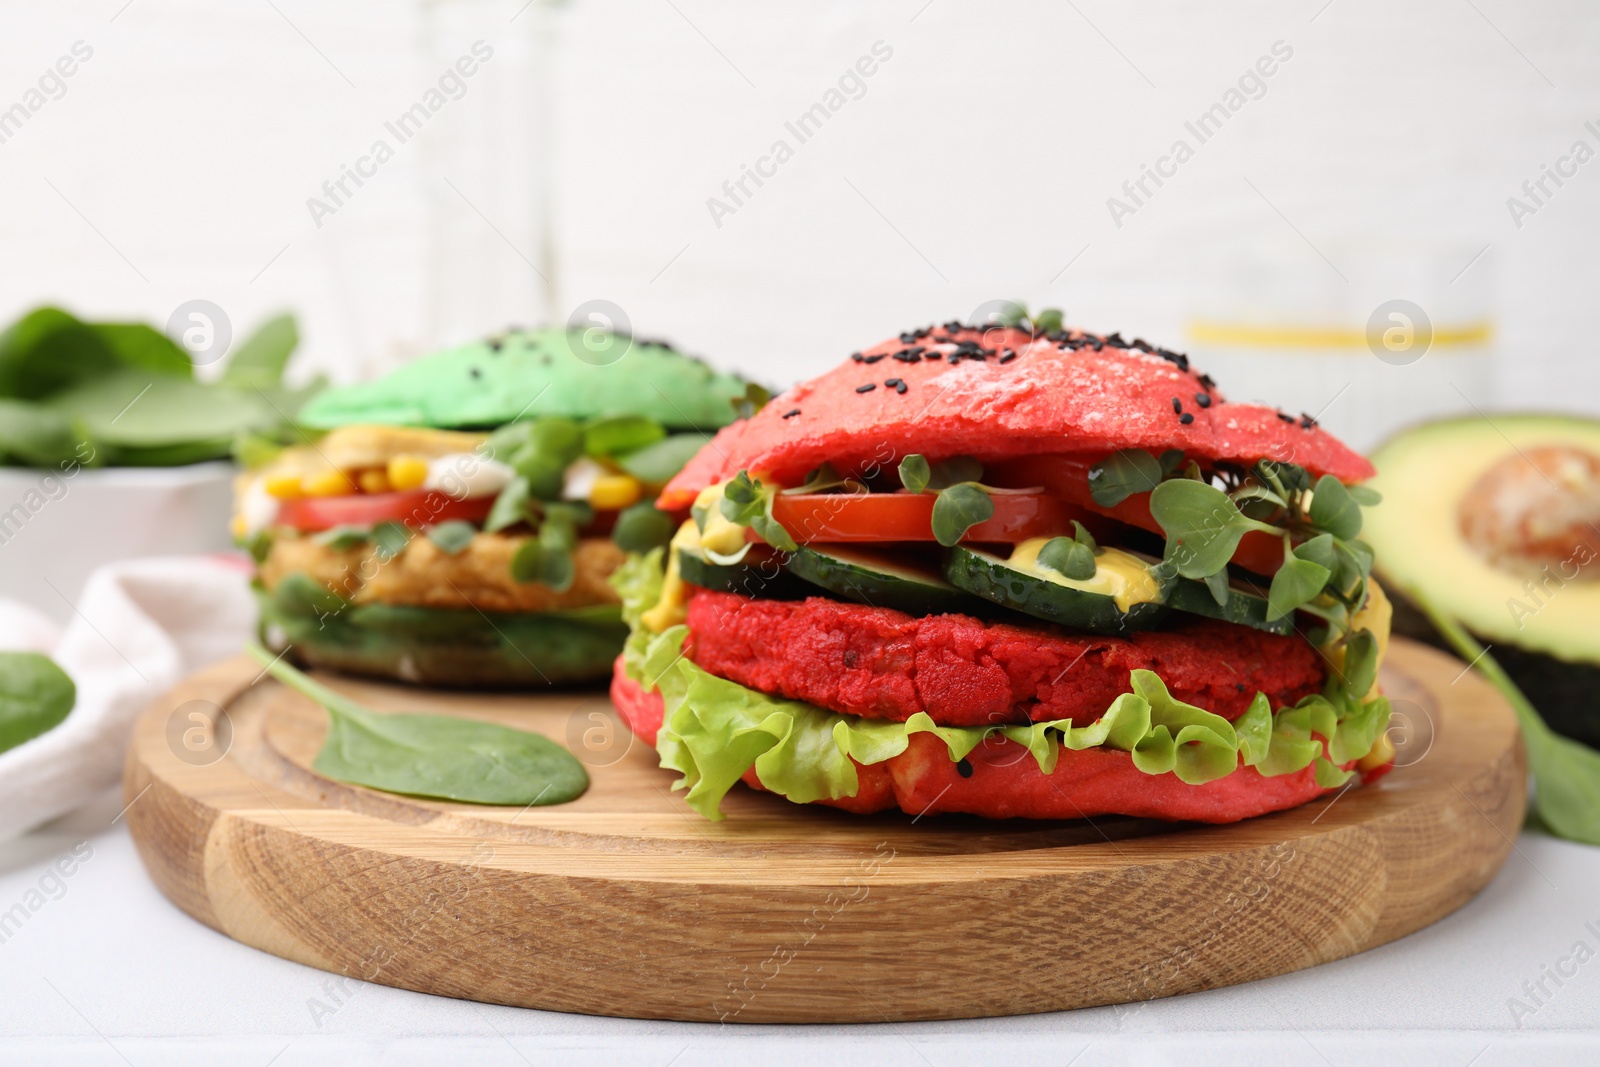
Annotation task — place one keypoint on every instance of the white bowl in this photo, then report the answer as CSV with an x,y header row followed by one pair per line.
x,y
56,527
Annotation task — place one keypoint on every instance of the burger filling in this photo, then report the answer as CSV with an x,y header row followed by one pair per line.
x,y
1197,621
532,518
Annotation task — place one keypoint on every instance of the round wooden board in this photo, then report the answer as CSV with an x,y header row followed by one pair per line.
x,y
625,902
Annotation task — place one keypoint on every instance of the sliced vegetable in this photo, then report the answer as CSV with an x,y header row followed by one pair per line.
x,y
1245,605
415,508
861,517
758,573
1123,595
881,580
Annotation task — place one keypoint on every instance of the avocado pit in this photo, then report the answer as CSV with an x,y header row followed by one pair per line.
x,y
1534,509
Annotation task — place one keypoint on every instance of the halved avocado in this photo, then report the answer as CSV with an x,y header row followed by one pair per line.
x,y
1496,521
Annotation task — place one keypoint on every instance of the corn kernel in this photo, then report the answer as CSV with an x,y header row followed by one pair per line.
x,y
613,492
283,486
373,481
329,483
407,472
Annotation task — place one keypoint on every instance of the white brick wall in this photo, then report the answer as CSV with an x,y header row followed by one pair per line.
x,y
990,141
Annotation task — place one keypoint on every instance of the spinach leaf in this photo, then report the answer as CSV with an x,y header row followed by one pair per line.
x,y
1202,525
622,433
509,508
1068,557
391,539
258,363
641,527
452,537
136,409
35,695
654,465
1297,582
749,503
48,350
434,755
1122,474
1566,774
35,434
144,348
915,472
344,537
958,509
1333,509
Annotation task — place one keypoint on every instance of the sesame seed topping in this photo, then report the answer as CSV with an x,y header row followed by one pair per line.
x,y
1286,418
964,768
892,382
873,359
791,414
855,357
870,386
1177,406
1186,418
1203,399
475,372
1007,356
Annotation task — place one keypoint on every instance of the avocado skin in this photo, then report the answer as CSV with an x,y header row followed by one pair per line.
x,y
431,646
1567,695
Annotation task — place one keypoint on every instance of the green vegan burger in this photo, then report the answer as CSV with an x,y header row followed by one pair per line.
x,y
455,523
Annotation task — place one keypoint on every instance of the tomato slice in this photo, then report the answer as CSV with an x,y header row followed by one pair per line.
x,y
414,507
901,516
1068,477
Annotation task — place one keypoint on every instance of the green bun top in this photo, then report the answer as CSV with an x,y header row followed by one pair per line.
x,y
531,373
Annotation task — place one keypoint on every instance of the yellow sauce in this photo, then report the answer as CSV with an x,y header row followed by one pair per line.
x,y
721,535
1122,576
673,607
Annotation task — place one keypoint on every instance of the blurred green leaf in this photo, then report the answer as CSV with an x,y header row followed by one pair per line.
x,y
260,360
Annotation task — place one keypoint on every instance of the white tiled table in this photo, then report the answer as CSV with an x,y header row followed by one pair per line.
x,y
109,972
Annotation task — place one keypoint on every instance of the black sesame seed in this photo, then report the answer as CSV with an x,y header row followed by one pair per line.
x,y
1007,356
1286,418
908,338
1177,406
955,357
900,387
964,768
1186,418
1205,380
1058,336
791,414
855,357
1115,340
1141,344
475,372
1239,686
1203,399
892,382
495,344
869,387
874,359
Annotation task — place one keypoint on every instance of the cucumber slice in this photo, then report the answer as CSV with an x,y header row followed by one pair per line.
x,y
882,581
1245,606
759,574
1022,584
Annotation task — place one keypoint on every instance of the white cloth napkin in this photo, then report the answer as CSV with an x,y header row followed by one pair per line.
x,y
139,627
